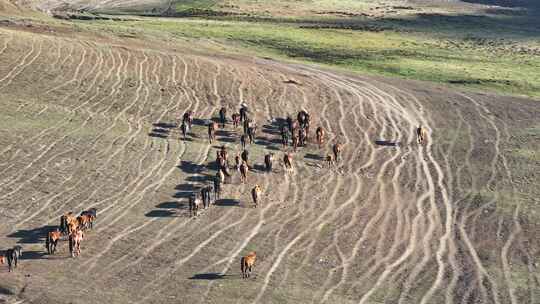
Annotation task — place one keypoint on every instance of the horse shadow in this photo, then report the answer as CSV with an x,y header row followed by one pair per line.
x,y
190,167
210,276
200,122
171,205
270,129
160,213
33,255
202,178
164,125
259,167
227,202
32,236
386,143
313,156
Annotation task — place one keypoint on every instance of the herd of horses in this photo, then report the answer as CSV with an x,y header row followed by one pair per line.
x,y
294,134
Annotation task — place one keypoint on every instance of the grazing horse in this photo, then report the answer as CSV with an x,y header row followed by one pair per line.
x,y
185,129
236,120
421,135
284,136
243,112
255,194
188,118
287,161
212,127
329,160
223,116
52,241
246,264
194,205
243,141
217,186
12,256
268,161
320,136
245,157
75,239
337,148
243,172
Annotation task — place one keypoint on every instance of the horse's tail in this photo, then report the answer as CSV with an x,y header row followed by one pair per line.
x,y
243,267
71,245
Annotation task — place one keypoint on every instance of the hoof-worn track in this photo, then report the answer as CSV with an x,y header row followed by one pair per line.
x,y
88,124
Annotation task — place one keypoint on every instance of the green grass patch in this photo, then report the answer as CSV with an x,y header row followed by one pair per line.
x,y
386,53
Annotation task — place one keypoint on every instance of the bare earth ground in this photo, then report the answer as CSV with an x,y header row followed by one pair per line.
x,y
91,123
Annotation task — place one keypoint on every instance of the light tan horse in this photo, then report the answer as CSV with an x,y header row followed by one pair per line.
x,y
246,264
320,136
255,194
75,239
421,135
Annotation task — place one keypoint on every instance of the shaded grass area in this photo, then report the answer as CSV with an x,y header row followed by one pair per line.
x,y
465,62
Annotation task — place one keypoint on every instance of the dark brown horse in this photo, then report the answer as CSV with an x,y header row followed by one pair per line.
x,y
268,162
223,116
329,160
13,255
246,264
236,120
188,118
287,161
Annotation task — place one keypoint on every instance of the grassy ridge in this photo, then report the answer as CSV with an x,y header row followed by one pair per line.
x,y
392,53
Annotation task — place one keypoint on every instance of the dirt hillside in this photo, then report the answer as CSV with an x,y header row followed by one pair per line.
x,y
92,122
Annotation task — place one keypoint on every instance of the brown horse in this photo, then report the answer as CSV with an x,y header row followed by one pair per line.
x,y
295,142
236,120
188,118
245,157
329,160
287,160
2,260
421,135
246,264
194,204
75,239
52,241
68,222
255,194
223,116
243,172
337,148
212,127
320,136
268,161
84,221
